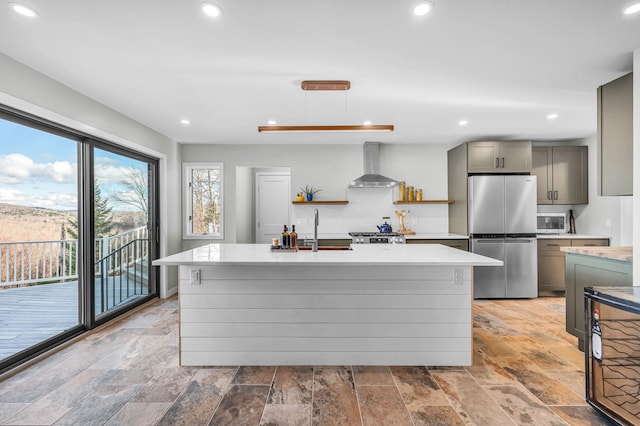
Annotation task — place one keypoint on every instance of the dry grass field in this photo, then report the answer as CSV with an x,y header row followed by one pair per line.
x,y
18,223
30,224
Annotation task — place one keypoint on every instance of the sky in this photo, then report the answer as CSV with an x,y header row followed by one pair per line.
x,y
39,169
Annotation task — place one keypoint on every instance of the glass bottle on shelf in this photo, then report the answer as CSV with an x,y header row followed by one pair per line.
x,y
293,237
419,194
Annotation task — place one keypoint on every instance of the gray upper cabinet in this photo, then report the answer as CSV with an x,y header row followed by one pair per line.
x,y
615,137
499,157
562,173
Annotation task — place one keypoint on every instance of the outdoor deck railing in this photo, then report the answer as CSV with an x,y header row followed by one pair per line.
x,y
33,262
122,274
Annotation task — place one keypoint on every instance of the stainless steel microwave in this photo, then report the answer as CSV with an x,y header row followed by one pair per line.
x,y
552,223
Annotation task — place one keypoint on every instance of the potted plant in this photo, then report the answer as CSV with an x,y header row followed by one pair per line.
x,y
309,192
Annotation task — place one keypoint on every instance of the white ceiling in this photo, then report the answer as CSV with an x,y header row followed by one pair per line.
x,y
503,65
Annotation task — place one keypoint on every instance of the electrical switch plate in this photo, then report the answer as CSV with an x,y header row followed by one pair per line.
x,y
458,275
195,277
607,223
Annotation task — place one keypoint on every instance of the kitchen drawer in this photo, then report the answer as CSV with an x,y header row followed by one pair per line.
x,y
552,245
590,243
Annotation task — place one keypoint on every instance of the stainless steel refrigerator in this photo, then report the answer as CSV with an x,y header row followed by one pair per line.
x,y
502,225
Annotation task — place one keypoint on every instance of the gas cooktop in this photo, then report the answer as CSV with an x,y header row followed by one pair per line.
x,y
376,238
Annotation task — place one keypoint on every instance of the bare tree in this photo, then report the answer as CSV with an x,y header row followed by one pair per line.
x,y
136,191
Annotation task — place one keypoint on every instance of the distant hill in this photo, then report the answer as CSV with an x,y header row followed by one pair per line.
x,y
22,223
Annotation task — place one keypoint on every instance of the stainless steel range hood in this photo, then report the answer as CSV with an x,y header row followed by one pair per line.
x,y
371,177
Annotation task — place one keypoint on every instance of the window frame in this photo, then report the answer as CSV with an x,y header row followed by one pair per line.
x,y
187,169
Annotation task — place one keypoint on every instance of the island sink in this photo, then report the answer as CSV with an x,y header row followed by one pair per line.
x,y
320,248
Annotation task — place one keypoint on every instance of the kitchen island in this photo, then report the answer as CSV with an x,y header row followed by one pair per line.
x,y
242,304
593,267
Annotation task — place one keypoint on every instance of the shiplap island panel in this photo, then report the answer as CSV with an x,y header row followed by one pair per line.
x,y
373,305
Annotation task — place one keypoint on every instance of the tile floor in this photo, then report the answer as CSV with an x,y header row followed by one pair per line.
x,y
526,371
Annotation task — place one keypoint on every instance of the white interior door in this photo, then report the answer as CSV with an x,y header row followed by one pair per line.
x,y
273,193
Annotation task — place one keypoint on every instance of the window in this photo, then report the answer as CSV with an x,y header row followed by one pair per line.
x,y
203,203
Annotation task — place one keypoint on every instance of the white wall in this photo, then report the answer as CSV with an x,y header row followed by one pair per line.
x,y
27,90
331,168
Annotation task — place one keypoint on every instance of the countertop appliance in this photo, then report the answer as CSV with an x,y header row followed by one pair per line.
x,y
612,352
552,223
376,238
502,225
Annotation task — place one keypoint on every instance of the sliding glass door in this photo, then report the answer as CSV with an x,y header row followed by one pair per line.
x,y
78,227
122,227
39,290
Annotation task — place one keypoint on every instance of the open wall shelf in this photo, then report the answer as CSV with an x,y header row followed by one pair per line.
x,y
326,202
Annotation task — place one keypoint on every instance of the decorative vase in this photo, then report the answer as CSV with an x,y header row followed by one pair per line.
x,y
309,197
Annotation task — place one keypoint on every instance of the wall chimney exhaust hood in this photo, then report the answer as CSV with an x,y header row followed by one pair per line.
x,y
371,177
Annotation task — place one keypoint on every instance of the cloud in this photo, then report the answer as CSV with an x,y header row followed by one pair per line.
x,y
18,168
50,200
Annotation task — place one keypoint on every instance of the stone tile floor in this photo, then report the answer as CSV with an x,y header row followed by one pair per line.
x,y
526,370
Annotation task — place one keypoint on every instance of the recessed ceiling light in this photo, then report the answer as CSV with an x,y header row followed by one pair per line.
x,y
423,8
367,123
271,122
463,123
211,9
552,116
185,121
24,10
634,8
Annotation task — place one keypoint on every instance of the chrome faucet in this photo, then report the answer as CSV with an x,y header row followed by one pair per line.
x,y
316,221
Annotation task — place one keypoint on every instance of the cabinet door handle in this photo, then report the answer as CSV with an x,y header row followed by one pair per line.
x,y
497,162
590,245
549,195
553,245
555,195
503,162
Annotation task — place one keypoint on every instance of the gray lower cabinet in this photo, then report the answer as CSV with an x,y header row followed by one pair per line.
x,y
551,261
460,244
590,271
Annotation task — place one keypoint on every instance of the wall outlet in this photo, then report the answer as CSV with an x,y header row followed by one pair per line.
x,y
195,277
458,275
607,223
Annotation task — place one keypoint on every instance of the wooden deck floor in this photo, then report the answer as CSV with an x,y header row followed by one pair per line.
x,y
29,315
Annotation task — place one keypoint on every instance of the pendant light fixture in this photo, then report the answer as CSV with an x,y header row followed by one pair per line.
x,y
333,85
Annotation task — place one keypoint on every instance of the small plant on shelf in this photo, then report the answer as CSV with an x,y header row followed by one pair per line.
x,y
309,192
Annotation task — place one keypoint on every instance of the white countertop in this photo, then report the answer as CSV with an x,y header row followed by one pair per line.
x,y
374,254
571,237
